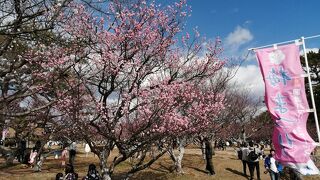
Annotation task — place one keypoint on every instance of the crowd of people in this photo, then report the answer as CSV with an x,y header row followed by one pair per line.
x,y
68,154
250,155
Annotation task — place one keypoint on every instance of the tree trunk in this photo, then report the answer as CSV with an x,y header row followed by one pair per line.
x,y
203,146
105,171
105,176
177,159
178,163
39,159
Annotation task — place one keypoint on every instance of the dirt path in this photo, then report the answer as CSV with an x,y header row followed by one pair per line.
x,y
226,165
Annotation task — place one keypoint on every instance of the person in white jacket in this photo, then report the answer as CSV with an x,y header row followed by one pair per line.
x,y
87,149
271,166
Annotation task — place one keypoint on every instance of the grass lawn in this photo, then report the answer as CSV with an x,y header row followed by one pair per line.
x,y
226,165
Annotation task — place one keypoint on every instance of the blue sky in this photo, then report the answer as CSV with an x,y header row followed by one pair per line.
x,y
268,21
243,24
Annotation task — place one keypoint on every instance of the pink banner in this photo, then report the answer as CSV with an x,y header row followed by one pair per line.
x,y
286,101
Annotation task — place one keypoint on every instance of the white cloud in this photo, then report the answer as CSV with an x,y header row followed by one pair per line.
x,y
238,37
249,77
315,50
236,44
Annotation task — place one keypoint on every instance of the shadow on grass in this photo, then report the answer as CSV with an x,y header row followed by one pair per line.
x,y
163,169
5,166
197,169
236,172
145,175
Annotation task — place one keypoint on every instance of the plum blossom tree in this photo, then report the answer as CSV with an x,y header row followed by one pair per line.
x,y
123,78
202,120
139,85
29,88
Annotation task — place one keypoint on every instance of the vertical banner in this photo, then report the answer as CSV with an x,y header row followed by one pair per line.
x,y
286,101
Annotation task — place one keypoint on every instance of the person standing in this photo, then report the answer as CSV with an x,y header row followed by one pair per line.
x,y
253,160
64,155
271,166
262,148
72,153
5,133
87,149
227,144
209,152
22,147
244,158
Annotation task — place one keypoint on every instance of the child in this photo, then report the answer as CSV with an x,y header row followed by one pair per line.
x,y
32,157
92,173
64,155
59,176
70,174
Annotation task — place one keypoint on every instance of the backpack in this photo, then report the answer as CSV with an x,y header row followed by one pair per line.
x,y
240,154
253,155
94,176
70,176
279,167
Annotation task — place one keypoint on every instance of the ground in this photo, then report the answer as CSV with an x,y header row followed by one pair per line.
x,y
226,165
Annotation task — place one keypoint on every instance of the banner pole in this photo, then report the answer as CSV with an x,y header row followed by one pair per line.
x,y
284,42
310,88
